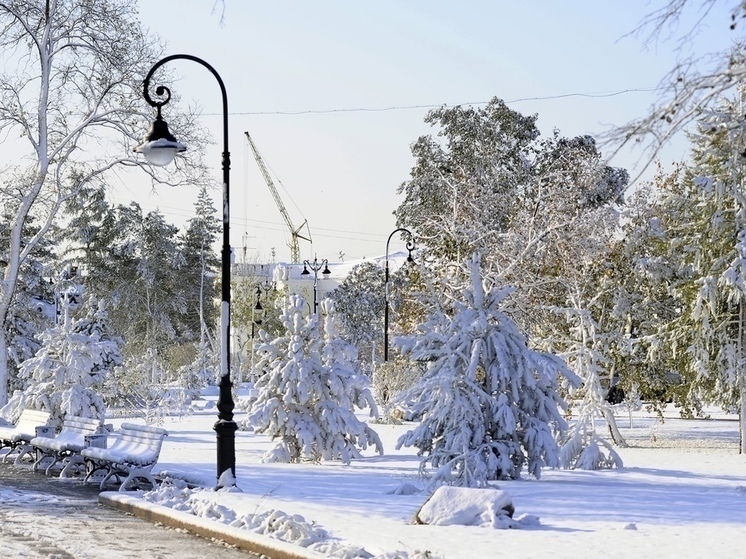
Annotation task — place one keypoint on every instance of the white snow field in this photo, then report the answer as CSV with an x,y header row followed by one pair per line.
x,y
681,493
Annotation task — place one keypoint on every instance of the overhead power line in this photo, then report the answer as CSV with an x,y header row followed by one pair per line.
x,y
434,106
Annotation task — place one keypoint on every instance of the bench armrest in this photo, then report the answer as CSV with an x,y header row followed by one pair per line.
x,y
96,441
44,431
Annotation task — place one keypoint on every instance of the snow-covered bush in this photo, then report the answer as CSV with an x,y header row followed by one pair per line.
x,y
138,389
393,377
306,391
489,404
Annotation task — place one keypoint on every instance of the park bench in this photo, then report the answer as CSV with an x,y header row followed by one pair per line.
x,y
31,424
132,455
76,434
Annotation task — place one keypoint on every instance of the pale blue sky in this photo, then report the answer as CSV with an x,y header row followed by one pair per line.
x,y
295,71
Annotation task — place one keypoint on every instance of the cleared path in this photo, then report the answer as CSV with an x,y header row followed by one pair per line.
x,y
43,517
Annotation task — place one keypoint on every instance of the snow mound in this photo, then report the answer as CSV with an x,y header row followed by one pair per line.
x,y
227,482
176,494
404,489
467,506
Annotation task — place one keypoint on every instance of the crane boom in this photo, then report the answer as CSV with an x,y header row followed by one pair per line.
x,y
294,232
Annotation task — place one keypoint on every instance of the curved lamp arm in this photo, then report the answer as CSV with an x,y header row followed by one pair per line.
x,y
410,247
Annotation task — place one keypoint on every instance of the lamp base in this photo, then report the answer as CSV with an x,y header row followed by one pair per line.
x,y
226,443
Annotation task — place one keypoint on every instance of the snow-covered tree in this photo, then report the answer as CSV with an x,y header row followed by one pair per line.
x,y
702,221
306,392
71,83
200,268
582,446
699,80
466,180
341,360
489,404
359,301
134,259
66,376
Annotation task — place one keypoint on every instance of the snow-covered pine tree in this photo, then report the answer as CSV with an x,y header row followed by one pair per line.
x,y
67,374
489,404
303,402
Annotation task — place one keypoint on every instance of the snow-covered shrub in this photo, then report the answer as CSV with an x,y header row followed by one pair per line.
x,y
202,371
394,377
135,389
582,446
489,404
306,391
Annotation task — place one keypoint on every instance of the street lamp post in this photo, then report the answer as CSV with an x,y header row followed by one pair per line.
x,y
160,147
315,266
410,248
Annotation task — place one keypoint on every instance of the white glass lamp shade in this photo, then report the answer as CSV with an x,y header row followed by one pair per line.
x,y
159,146
161,151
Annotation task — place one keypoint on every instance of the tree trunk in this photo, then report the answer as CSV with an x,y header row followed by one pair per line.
x,y
616,435
4,377
742,418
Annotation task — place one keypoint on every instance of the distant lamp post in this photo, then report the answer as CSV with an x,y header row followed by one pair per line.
x,y
160,147
258,308
256,321
315,266
410,248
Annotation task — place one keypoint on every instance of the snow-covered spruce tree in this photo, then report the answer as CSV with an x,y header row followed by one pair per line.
x,y
67,374
489,404
305,398
707,235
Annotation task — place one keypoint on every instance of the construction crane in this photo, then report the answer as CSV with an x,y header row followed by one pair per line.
x,y
295,235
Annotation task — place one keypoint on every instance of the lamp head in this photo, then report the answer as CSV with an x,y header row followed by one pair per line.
x,y
326,271
305,271
159,146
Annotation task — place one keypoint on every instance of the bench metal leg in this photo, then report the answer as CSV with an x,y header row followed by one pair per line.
x,y
138,473
23,450
41,457
74,462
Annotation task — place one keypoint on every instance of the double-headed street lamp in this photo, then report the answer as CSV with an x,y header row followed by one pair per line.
x,y
410,248
160,147
266,287
315,266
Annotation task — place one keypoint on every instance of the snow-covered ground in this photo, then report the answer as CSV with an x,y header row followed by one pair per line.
x,y
681,493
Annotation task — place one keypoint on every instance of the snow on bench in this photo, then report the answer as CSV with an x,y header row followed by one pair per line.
x,y
31,424
132,455
76,434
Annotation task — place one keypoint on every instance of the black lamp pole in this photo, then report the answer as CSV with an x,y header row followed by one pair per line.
x,y
410,248
315,266
159,146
